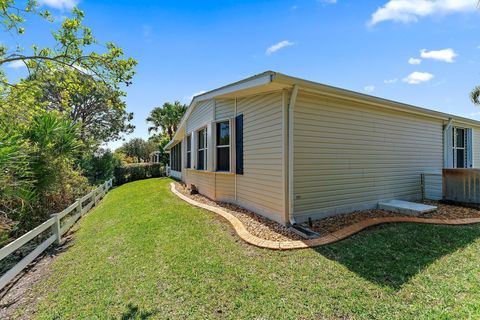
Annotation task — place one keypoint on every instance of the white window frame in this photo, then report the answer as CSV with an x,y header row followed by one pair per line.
x,y
455,148
223,146
204,149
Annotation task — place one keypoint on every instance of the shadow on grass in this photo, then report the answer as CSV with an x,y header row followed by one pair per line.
x,y
134,312
391,254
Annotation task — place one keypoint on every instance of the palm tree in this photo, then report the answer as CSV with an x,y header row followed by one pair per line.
x,y
166,118
475,95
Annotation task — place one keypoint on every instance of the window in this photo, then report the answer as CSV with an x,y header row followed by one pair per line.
x,y
189,151
460,148
223,146
202,149
176,157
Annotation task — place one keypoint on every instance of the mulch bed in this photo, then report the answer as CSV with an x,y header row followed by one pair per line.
x,y
270,230
257,225
444,211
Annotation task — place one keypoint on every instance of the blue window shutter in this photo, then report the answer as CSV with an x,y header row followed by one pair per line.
x,y
448,148
469,148
239,143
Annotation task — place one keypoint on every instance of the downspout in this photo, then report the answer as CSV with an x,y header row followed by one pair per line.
x,y
445,142
291,109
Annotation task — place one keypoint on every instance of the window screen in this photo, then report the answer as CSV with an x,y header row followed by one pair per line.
x,y
202,150
176,157
189,151
223,146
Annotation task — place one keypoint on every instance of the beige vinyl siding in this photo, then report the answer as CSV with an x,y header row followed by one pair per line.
x,y
349,156
225,187
260,188
224,109
216,186
204,181
476,147
200,116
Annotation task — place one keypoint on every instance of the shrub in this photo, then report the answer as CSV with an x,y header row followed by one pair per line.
x,y
98,167
137,171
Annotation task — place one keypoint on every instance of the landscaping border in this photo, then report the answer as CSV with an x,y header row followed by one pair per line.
x,y
341,234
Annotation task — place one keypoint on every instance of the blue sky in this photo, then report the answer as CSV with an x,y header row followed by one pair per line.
x,y
422,52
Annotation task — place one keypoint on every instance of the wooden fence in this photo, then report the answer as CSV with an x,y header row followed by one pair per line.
x,y
59,223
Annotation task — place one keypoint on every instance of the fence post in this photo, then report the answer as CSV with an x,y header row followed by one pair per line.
x,y
79,207
56,228
95,199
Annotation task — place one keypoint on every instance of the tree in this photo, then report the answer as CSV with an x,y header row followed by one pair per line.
x,y
53,140
99,167
166,118
138,149
75,47
96,106
475,95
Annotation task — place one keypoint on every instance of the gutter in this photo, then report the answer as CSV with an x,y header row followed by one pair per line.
x,y
302,231
291,109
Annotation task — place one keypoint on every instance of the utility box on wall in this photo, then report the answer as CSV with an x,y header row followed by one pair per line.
x,y
462,186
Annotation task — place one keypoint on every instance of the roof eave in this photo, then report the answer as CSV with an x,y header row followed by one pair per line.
x,y
251,82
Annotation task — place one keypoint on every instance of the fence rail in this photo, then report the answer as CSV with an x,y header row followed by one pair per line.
x,y
59,223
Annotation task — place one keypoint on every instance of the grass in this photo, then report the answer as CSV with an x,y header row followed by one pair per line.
x,y
145,254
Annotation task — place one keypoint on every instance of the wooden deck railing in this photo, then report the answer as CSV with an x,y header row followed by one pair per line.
x,y
59,223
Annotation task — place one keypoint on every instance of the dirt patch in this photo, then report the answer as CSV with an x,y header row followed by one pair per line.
x,y
257,225
18,300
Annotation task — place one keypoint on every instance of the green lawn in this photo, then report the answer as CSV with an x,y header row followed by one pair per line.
x,y
143,253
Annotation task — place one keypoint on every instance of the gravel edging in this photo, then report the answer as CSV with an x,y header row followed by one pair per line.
x,y
338,235
256,224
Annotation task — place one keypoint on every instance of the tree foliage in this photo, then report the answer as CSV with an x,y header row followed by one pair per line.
x,y
97,107
138,149
75,46
165,119
52,121
475,95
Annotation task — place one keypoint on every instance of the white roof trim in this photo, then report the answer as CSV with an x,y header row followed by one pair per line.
x,y
255,81
270,76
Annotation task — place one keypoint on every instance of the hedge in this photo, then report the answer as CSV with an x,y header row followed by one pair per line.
x,y
137,171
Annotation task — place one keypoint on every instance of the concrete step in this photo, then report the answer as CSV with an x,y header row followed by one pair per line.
x,y
406,207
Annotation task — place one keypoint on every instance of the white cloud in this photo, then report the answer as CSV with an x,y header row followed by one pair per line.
x,y
446,55
60,4
327,1
418,77
370,88
390,81
411,10
17,64
414,61
278,46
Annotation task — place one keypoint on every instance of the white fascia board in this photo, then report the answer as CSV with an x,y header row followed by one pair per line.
x,y
368,99
255,81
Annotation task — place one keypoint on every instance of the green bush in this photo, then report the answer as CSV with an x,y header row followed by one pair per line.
x,y
98,167
137,171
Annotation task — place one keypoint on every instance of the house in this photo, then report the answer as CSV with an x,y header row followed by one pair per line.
x,y
290,149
